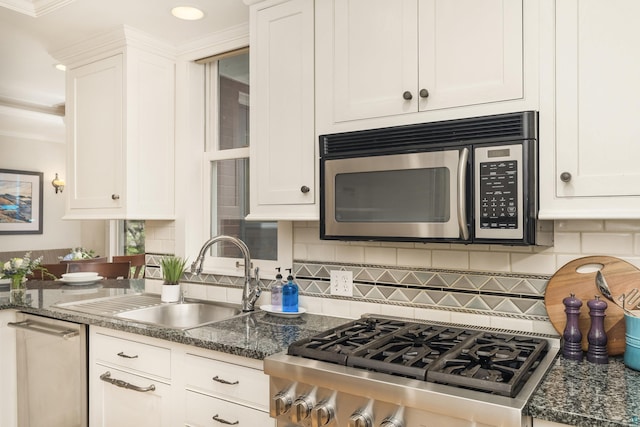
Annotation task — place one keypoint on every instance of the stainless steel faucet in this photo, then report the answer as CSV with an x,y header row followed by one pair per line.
x,y
249,294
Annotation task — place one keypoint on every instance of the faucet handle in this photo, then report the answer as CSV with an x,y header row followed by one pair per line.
x,y
256,274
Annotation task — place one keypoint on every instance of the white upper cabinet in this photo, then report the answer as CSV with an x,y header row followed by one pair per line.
x,y
590,169
282,149
382,58
120,128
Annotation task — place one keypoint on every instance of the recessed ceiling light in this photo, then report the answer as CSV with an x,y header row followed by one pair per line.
x,y
187,12
60,67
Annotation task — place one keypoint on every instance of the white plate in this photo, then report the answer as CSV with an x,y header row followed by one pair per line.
x,y
80,275
81,281
277,312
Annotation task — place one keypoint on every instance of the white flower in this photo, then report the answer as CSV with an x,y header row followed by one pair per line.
x,y
17,262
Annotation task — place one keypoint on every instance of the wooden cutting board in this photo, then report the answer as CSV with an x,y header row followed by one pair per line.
x,y
621,277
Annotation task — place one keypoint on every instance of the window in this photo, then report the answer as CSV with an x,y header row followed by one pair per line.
x,y
227,152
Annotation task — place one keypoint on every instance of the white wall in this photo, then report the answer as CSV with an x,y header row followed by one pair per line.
x,y
39,147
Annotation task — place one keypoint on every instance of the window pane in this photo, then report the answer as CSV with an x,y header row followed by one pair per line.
x,y
233,84
133,237
230,204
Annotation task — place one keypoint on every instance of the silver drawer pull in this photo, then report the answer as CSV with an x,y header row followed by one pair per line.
x,y
223,421
126,356
221,381
106,377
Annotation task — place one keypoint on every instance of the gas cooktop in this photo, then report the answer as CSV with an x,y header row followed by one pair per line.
x,y
487,361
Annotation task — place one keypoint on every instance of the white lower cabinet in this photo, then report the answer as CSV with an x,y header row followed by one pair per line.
x,y
111,405
140,381
129,381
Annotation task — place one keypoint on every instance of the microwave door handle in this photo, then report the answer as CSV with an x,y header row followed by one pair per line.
x,y
462,193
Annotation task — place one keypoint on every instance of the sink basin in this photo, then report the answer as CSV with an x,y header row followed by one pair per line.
x,y
185,315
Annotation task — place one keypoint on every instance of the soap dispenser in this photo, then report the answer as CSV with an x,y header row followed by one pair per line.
x,y
290,295
276,292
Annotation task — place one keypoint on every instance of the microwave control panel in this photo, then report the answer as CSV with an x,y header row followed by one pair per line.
x,y
498,189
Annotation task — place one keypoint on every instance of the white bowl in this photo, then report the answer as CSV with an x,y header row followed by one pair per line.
x,y
80,275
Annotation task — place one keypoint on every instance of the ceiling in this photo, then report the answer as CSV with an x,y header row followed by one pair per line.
x,y
30,30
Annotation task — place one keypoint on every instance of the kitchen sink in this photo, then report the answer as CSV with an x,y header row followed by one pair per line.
x,y
185,315
147,308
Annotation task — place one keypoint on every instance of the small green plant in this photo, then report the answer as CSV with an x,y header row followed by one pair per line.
x,y
172,269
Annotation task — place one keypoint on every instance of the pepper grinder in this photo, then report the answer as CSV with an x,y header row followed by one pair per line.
x,y
572,348
597,350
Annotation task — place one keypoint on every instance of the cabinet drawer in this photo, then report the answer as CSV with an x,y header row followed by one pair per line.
x,y
143,358
208,411
233,382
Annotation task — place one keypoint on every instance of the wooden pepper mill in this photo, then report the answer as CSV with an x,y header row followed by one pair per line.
x,y
597,337
572,347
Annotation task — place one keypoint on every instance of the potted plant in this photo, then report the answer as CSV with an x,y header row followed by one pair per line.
x,y
173,268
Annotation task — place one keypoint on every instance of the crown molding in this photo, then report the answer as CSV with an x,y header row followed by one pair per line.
x,y
34,8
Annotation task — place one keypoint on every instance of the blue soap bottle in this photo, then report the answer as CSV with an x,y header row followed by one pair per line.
x,y
290,295
276,292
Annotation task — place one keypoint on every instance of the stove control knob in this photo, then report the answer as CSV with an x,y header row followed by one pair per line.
x,y
301,409
392,422
281,404
321,414
360,419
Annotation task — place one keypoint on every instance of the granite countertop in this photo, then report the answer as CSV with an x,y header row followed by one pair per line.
x,y
586,394
255,335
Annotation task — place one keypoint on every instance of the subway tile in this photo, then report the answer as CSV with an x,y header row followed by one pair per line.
x,y
414,257
512,323
397,311
568,242
618,226
607,243
382,256
358,308
322,252
350,254
461,318
489,261
432,314
579,225
450,259
300,251
337,307
533,263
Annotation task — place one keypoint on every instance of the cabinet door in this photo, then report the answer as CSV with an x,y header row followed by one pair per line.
x,y
471,52
375,47
597,98
95,159
282,146
114,406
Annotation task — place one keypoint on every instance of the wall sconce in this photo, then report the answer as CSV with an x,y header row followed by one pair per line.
x,y
58,184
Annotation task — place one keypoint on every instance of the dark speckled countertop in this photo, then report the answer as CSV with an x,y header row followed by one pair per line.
x,y
255,335
586,394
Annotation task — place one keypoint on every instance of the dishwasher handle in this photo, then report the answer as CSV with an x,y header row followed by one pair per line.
x,y
32,326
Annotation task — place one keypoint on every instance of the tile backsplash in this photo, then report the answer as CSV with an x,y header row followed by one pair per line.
x,y
490,285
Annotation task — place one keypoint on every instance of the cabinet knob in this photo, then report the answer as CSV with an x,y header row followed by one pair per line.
x,y
424,93
565,177
115,197
305,189
407,95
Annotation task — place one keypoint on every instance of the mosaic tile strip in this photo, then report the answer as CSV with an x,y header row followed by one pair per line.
x,y
496,294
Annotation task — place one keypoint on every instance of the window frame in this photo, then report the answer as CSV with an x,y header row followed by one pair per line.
x,y
211,154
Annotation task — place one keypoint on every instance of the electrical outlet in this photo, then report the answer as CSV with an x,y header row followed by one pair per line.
x,y
342,283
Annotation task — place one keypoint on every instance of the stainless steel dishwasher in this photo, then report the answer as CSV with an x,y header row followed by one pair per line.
x,y
52,372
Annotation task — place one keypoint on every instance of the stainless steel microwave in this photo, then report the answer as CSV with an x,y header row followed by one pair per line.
x,y
469,180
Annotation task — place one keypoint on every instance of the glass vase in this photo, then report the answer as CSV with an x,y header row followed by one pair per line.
x,y
18,290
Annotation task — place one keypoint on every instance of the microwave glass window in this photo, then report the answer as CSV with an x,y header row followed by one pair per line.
x,y
410,195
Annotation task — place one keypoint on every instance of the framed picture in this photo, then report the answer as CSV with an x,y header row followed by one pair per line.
x,y
20,202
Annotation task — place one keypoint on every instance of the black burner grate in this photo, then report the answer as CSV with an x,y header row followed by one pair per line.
x,y
485,361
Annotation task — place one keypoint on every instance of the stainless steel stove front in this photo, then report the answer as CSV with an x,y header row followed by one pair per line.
x,y
311,393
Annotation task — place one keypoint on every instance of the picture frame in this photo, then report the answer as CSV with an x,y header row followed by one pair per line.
x,y
20,202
